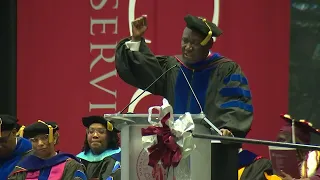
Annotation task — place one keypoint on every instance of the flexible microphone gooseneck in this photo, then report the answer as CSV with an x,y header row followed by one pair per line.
x,y
213,127
147,88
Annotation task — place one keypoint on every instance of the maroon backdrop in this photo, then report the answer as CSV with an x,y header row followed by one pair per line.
x,y
61,76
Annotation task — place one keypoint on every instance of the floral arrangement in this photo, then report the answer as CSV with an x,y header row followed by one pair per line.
x,y
168,141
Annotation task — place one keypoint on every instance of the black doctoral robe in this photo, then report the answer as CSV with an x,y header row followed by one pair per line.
x,y
62,166
105,166
254,167
219,84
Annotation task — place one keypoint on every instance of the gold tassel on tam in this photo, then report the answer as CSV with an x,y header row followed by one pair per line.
x,y
50,131
209,36
21,131
109,126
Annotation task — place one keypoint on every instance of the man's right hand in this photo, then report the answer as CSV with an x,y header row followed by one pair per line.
x,y
139,27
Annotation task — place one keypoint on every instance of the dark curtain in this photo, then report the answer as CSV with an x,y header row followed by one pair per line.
x,y
8,57
304,93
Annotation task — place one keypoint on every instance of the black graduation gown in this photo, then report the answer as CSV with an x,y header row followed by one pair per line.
x,y
108,168
254,167
102,169
222,89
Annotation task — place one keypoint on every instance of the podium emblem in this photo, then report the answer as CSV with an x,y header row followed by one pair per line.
x,y
145,172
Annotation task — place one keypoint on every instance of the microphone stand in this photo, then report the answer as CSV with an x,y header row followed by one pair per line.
x,y
156,80
224,157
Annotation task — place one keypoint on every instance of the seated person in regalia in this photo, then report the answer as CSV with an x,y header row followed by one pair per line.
x,y
101,153
46,162
12,149
309,160
254,167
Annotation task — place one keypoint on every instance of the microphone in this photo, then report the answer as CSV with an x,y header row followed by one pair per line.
x,y
156,80
213,127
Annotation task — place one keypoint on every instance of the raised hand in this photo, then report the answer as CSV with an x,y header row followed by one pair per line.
x,y
139,27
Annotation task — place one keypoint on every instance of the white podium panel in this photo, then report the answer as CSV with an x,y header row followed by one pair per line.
x,y
134,159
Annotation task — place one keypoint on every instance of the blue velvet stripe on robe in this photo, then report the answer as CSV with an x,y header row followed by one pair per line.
x,y
34,163
8,164
237,91
199,79
184,100
246,158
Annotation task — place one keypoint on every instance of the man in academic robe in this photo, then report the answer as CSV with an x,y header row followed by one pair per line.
x,y
218,82
12,149
46,162
309,161
252,166
101,154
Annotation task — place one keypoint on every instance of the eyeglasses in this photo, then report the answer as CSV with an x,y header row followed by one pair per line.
x,y
99,131
43,138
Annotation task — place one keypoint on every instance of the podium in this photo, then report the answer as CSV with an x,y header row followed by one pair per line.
x,y
134,159
210,160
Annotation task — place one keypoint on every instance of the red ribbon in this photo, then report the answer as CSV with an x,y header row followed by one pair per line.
x,y
166,150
